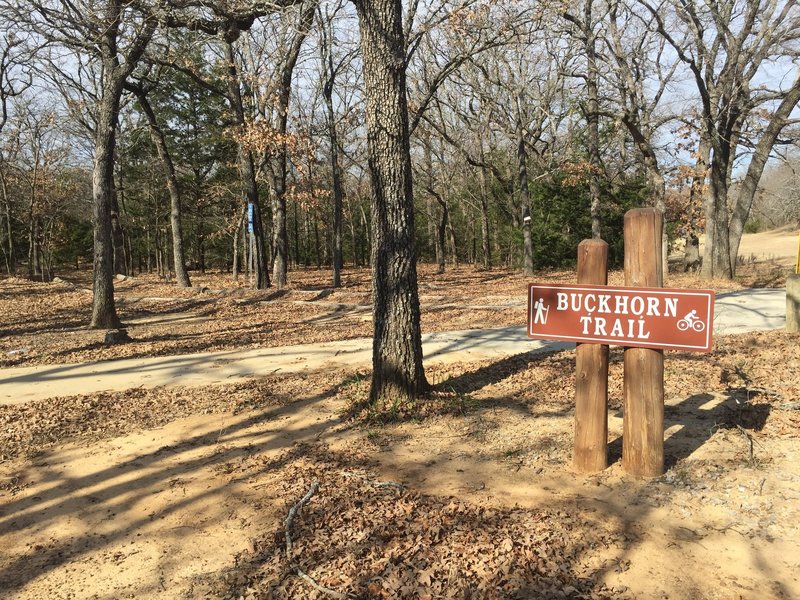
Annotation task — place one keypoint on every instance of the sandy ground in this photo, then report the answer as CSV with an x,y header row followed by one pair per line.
x,y
179,508
779,246
157,513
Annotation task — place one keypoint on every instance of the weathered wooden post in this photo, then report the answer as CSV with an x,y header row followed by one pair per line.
x,y
793,303
643,419
591,373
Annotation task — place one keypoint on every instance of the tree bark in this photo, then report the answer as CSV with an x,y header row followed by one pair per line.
x,y
336,176
716,256
280,241
116,69
104,313
749,186
592,118
441,232
397,374
118,235
8,245
485,243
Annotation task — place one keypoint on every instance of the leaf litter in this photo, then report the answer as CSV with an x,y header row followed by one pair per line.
x,y
369,536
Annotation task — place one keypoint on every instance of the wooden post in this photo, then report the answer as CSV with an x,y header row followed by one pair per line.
x,y
793,303
591,373
643,419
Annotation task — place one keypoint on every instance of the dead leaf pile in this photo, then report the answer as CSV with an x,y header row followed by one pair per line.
x,y
366,538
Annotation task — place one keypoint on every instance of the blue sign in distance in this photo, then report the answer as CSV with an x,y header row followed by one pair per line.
x,y
249,217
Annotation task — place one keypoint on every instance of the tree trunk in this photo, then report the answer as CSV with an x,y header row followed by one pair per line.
x,y
397,374
658,190
8,246
104,313
441,231
592,119
160,142
749,186
317,245
296,237
716,256
280,236
353,232
237,230
525,202
118,235
280,240
336,175
451,236
486,246
246,166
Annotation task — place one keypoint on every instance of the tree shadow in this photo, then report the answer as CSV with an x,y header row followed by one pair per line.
x,y
695,419
385,539
497,371
116,490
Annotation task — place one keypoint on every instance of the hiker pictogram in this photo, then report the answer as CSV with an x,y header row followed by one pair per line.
x,y
540,312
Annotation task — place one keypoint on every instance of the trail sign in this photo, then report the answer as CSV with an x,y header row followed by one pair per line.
x,y
662,318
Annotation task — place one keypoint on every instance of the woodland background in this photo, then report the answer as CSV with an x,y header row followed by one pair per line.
x,y
569,113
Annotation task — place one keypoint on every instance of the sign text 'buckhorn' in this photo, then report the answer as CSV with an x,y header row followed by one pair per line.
x,y
664,318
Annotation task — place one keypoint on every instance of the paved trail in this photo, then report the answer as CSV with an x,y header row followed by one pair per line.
x,y
735,312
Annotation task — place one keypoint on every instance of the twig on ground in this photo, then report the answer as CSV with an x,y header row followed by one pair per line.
x,y
749,439
318,587
287,524
393,484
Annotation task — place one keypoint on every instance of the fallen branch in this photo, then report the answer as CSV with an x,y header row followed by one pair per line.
x,y
287,524
287,527
318,587
394,484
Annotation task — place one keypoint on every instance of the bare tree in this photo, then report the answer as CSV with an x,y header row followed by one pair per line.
x,y
14,80
115,35
164,155
331,68
586,23
246,160
731,47
639,58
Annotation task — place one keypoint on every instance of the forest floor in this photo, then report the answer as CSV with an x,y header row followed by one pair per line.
x,y
184,491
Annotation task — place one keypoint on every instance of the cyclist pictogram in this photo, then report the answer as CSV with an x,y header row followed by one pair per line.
x,y
693,321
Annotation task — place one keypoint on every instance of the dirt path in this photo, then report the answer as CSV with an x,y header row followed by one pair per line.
x,y
141,515
735,312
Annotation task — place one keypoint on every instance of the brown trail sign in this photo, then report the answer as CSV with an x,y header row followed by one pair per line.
x,y
662,318
643,317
